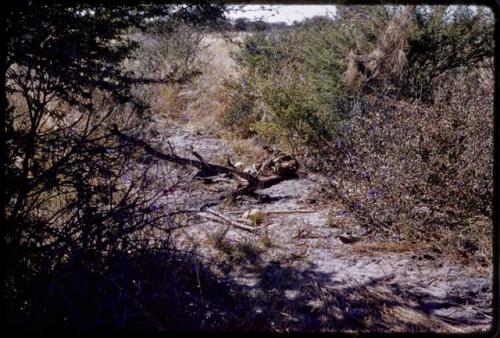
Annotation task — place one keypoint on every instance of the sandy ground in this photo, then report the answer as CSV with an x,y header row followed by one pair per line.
x,y
299,276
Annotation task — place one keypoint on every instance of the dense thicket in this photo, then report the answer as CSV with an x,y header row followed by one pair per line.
x,y
394,103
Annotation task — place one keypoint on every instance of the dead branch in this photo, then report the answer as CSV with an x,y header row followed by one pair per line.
x,y
209,169
282,212
198,156
265,165
289,211
206,168
217,217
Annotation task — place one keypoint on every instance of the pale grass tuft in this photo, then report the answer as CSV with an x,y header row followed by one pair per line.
x,y
388,57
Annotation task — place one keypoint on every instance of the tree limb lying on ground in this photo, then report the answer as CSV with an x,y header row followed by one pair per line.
x,y
206,169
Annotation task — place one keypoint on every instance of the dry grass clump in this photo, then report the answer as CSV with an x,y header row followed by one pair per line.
x,y
266,240
388,57
218,239
236,251
330,219
246,250
256,216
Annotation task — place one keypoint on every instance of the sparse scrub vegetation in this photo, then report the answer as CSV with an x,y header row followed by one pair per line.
x,y
330,219
236,250
218,239
166,60
256,216
168,169
425,183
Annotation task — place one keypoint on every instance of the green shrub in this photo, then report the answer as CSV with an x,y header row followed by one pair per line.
x,y
443,43
290,86
294,81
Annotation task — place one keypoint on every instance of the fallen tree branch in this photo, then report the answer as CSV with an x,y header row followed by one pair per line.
x,y
281,212
215,216
288,211
207,169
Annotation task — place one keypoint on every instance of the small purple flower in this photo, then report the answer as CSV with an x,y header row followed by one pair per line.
x,y
185,117
154,206
345,213
372,193
126,179
357,205
301,77
244,82
365,174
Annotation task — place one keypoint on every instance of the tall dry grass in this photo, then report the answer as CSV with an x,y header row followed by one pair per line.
x,y
208,99
389,56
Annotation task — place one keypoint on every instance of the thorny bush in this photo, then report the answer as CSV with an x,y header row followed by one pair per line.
x,y
423,171
408,144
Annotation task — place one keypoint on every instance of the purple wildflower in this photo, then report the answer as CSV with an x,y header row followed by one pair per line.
x,y
126,179
244,82
154,206
372,193
301,77
357,205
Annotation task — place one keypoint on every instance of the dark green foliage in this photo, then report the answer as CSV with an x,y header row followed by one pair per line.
x,y
240,24
443,44
246,25
296,78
